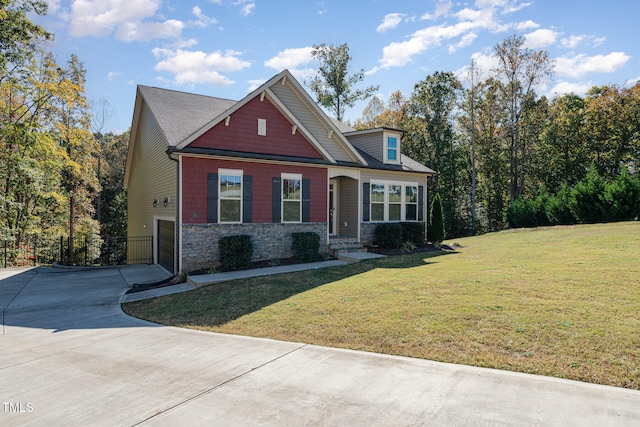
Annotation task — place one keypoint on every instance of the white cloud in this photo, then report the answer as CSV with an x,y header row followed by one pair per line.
x,y
147,31
53,7
526,25
199,67
246,7
128,19
203,20
390,21
540,39
484,16
563,88
466,40
112,74
574,41
290,58
632,82
254,84
577,66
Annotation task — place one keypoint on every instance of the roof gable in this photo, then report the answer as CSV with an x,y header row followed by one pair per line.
x,y
241,132
283,91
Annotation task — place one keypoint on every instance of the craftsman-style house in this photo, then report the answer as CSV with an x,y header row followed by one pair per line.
x,y
200,168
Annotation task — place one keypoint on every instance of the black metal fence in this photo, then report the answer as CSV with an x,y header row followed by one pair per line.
x,y
78,251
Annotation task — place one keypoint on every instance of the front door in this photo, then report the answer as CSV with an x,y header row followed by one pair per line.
x,y
333,206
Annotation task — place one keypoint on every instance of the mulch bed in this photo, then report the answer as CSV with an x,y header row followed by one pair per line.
x,y
430,247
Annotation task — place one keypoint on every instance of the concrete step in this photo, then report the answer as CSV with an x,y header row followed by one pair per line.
x,y
339,245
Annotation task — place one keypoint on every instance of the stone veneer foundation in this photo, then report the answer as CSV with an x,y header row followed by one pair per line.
x,y
200,248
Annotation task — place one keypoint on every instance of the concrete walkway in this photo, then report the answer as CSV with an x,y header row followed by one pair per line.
x,y
69,356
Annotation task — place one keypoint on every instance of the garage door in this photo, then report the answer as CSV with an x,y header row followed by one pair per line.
x,y
166,244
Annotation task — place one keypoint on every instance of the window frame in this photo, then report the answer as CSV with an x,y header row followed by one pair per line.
x,y
290,176
230,173
387,184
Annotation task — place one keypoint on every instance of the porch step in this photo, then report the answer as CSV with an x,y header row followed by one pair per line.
x,y
338,245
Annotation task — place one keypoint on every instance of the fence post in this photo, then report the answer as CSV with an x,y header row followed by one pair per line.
x,y
5,253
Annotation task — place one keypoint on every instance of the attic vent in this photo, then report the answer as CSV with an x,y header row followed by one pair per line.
x,y
262,127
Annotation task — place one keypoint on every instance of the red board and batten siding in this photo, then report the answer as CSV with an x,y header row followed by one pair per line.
x,y
242,133
194,187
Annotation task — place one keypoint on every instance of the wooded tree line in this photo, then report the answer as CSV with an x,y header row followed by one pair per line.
x,y
494,141
49,155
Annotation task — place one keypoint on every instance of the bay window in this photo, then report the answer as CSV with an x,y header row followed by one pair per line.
x,y
393,201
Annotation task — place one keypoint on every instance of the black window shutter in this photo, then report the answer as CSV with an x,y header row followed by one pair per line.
x,y
306,200
420,203
212,197
276,197
366,199
247,202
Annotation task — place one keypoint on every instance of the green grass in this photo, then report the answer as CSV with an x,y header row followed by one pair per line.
x,y
557,301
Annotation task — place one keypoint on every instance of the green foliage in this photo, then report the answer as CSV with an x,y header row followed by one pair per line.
x,y
332,87
527,212
305,246
413,232
236,252
436,220
622,198
585,202
388,235
557,207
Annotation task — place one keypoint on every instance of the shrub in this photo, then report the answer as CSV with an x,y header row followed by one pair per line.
x,y
585,202
236,252
621,198
527,212
436,220
557,207
388,235
305,246
413,232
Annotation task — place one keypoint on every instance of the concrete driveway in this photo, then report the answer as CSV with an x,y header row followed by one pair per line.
x,y
68,355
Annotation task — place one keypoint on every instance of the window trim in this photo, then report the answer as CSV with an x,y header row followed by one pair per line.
x,y
403,203
398,140
290,176
230,172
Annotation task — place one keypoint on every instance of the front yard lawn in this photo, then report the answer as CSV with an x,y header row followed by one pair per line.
x,y
557,301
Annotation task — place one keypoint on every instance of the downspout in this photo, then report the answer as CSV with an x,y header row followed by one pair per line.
x,y
178,231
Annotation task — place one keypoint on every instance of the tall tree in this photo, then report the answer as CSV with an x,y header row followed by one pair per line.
x,y
519,69
431,140
332,86
19,36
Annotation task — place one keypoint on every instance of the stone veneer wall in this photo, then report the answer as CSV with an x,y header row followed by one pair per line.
x,y
200,248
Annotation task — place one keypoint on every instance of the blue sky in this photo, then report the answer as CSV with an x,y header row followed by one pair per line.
x,y
226,48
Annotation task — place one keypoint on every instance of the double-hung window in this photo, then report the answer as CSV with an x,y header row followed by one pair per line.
x,y
230,195
291,198
393,201
377,202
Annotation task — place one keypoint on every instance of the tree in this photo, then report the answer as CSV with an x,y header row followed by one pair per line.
x,y
376,115
431,140
519,69
19,36
333,88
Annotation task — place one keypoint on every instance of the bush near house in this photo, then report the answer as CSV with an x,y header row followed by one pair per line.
x,y
305,246
236,252
413,232
388,235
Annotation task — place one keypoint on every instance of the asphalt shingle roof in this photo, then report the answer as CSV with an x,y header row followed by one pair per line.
x,y
180,114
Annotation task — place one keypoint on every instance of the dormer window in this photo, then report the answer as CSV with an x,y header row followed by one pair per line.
x,y
392,150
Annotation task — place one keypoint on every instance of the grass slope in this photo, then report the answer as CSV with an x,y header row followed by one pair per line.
x,y
558,301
